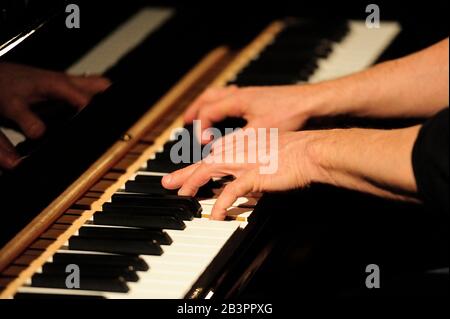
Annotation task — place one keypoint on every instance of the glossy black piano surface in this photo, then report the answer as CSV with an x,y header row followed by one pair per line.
x,y
321,238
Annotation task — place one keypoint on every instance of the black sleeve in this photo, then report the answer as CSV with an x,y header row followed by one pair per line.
x,y
431,163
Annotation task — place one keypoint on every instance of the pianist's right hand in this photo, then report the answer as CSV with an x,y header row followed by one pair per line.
x,y
22,86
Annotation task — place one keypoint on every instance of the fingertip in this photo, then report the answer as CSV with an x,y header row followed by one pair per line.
x,y
188,118
217,214
10,160
166,181
35,130
186,192
89,85
81,101
103,83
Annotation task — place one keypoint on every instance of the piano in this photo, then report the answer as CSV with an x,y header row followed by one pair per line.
x,y
89,193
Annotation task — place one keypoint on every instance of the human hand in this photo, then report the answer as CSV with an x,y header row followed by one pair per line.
x,y
22,86
284,107
293,169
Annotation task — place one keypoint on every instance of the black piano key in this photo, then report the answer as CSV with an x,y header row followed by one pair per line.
x,y
140,221
331,29
186,202
164,166
296,60
116,284
273,55
291,37
161,237
163,162
260,68
206,191
148,178
148,188
146,210
245,79
94,259
115,246
94,271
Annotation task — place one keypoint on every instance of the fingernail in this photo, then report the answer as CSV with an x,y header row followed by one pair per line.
x,y
167,179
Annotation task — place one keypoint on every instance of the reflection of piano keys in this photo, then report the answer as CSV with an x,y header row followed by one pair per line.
x,y
130,237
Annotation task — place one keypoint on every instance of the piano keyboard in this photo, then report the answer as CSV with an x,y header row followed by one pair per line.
x,y
132,238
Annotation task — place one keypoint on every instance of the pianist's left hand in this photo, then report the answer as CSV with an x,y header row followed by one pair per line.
x,y
21,86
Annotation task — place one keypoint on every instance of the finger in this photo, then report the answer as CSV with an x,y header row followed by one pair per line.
x,y
217,112
198,178
237,141
61,88
238,188
176,179
8,158
257,123
91,84
209,96
30,124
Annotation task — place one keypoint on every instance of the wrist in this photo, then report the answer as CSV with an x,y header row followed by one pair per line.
x,y
348,95
325,99
314,151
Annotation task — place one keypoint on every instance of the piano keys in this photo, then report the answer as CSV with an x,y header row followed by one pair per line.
x,y
130,237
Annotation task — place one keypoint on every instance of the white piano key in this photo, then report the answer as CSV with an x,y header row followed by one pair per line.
x,y
198,239
146,173
213,224
240,202
233,212
188,257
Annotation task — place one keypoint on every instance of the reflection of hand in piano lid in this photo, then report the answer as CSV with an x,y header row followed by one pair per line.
x,y
23,90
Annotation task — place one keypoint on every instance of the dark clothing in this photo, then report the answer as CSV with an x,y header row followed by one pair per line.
x,y
431,163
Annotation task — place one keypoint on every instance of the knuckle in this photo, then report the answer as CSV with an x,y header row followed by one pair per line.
x,y
231,189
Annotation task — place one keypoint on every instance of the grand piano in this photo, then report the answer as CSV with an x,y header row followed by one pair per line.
x,y
88,193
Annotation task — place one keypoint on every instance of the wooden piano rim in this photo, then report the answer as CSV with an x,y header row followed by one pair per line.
x,y
82,185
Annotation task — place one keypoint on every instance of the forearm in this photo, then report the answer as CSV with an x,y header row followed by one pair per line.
x,y
372,161
413,86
